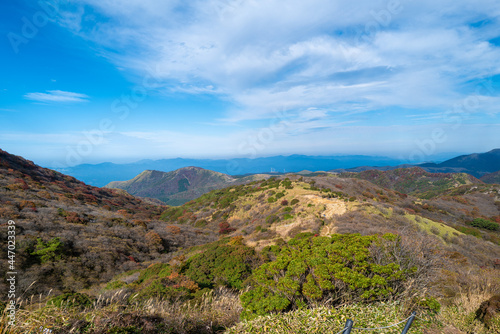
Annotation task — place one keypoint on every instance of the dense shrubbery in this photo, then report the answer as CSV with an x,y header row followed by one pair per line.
x,y
222,263
310,270
486,224
157,270
53,250
469,230
173,287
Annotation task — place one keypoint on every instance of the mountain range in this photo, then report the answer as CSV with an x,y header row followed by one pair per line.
x,y
104,173
103,259
476,164
185,184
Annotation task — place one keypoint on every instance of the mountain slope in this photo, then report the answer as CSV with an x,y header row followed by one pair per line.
x,y
491,177
415,181
477,164
71,236
179,186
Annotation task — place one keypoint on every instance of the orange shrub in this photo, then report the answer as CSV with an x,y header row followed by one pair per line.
x,y
174,229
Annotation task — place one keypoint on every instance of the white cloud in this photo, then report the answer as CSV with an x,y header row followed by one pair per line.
x,y
266,55
57,96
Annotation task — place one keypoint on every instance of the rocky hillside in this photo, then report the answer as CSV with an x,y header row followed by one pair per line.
x,y
179,186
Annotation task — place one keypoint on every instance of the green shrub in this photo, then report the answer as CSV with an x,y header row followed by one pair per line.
x,y
115,285
430,303
469,230
53,250
279,195
157,270
310,270
201,223
287,209
484,223
294,201
172,213
71,300
165,289
271,219
221,264
271,200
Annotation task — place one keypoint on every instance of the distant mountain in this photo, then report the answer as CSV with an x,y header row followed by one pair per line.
x,y
491,178
477,164
179,186
102,174
415,181
365,168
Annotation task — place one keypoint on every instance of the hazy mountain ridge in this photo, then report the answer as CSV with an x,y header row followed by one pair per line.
x,y
476,164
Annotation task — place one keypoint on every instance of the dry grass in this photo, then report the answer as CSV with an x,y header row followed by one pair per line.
x,y
461,313
212,313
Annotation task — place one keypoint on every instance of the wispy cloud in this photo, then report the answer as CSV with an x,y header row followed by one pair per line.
x,y
332,55
57,96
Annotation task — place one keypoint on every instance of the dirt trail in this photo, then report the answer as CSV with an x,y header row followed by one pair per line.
x,y
333,206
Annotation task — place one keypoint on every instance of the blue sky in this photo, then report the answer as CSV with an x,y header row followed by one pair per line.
x,y
87,81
